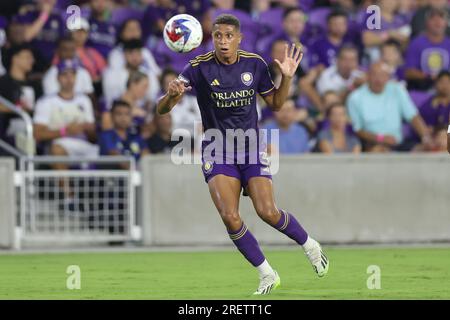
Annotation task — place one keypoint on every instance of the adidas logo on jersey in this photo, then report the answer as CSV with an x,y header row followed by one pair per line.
x,y
215,82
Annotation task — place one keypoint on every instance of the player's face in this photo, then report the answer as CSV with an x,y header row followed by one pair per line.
x,y
226,40
122,118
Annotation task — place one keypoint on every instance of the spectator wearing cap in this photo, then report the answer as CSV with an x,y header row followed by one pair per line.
x,y
115,79
67,51
428,53
15,87
43,26
65,121
131,30
436,111
102,32
122,139
418,21
377,110
89,57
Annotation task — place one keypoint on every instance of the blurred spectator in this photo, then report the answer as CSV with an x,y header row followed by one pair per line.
x,y
131,30
115,79
419,20
3,25
343,76
294,22
186,115
336,137
391,54
102,34
392,26
377,110
15,87
67,51
89,57
429,53
160,141
435,112
324,50
122,139
134,95
43,26
293,136
66,120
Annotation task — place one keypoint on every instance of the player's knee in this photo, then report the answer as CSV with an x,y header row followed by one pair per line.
x,y
269,214
231,218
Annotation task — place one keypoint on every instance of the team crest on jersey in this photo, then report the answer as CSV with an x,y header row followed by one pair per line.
x,y
207,167
247,78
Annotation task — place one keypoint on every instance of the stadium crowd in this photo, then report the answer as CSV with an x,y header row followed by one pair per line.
x,y
91,88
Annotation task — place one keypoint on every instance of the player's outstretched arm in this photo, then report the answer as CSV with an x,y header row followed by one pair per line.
x,y
174,94
287,67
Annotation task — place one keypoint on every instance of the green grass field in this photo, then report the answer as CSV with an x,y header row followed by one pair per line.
x,y
406,273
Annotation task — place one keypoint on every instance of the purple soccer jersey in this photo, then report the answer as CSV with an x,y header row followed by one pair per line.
x,y
102,36
46,40
435,113
428,57
226,95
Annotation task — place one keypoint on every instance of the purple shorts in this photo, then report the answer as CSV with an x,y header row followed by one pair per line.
x,y
242,172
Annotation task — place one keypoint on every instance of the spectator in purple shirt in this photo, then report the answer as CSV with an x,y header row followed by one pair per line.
x,y
43,26
393,26
428,53
102,32
435,112
324,50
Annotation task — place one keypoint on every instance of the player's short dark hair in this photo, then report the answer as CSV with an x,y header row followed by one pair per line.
x,y
336,13
132,44
289,10
134,77
228,19
442,74
119,104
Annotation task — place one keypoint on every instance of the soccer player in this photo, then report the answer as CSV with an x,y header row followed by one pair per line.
x,y
226,81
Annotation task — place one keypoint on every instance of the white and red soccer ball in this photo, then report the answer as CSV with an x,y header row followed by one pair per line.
x,y
183,33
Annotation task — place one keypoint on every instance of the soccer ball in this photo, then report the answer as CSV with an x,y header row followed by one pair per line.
x,y
183,33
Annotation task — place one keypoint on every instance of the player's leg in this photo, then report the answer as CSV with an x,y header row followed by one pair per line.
x,y
225,193
260,190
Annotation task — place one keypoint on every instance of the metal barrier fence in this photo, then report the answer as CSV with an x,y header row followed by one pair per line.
x,y
77,205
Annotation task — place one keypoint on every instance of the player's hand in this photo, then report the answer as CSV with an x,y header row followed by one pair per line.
x,y
177,88
291,60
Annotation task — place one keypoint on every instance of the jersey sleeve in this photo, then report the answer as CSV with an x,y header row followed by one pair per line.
x,y
188,76
265,85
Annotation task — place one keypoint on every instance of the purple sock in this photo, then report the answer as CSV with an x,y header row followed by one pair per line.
x,y
247,245
289,225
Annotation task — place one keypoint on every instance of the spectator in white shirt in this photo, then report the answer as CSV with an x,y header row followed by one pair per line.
x,y
131,29
344,75
115,79
67,51
66,119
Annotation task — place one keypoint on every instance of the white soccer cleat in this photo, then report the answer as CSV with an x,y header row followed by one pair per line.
x,y
317,258
268,283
